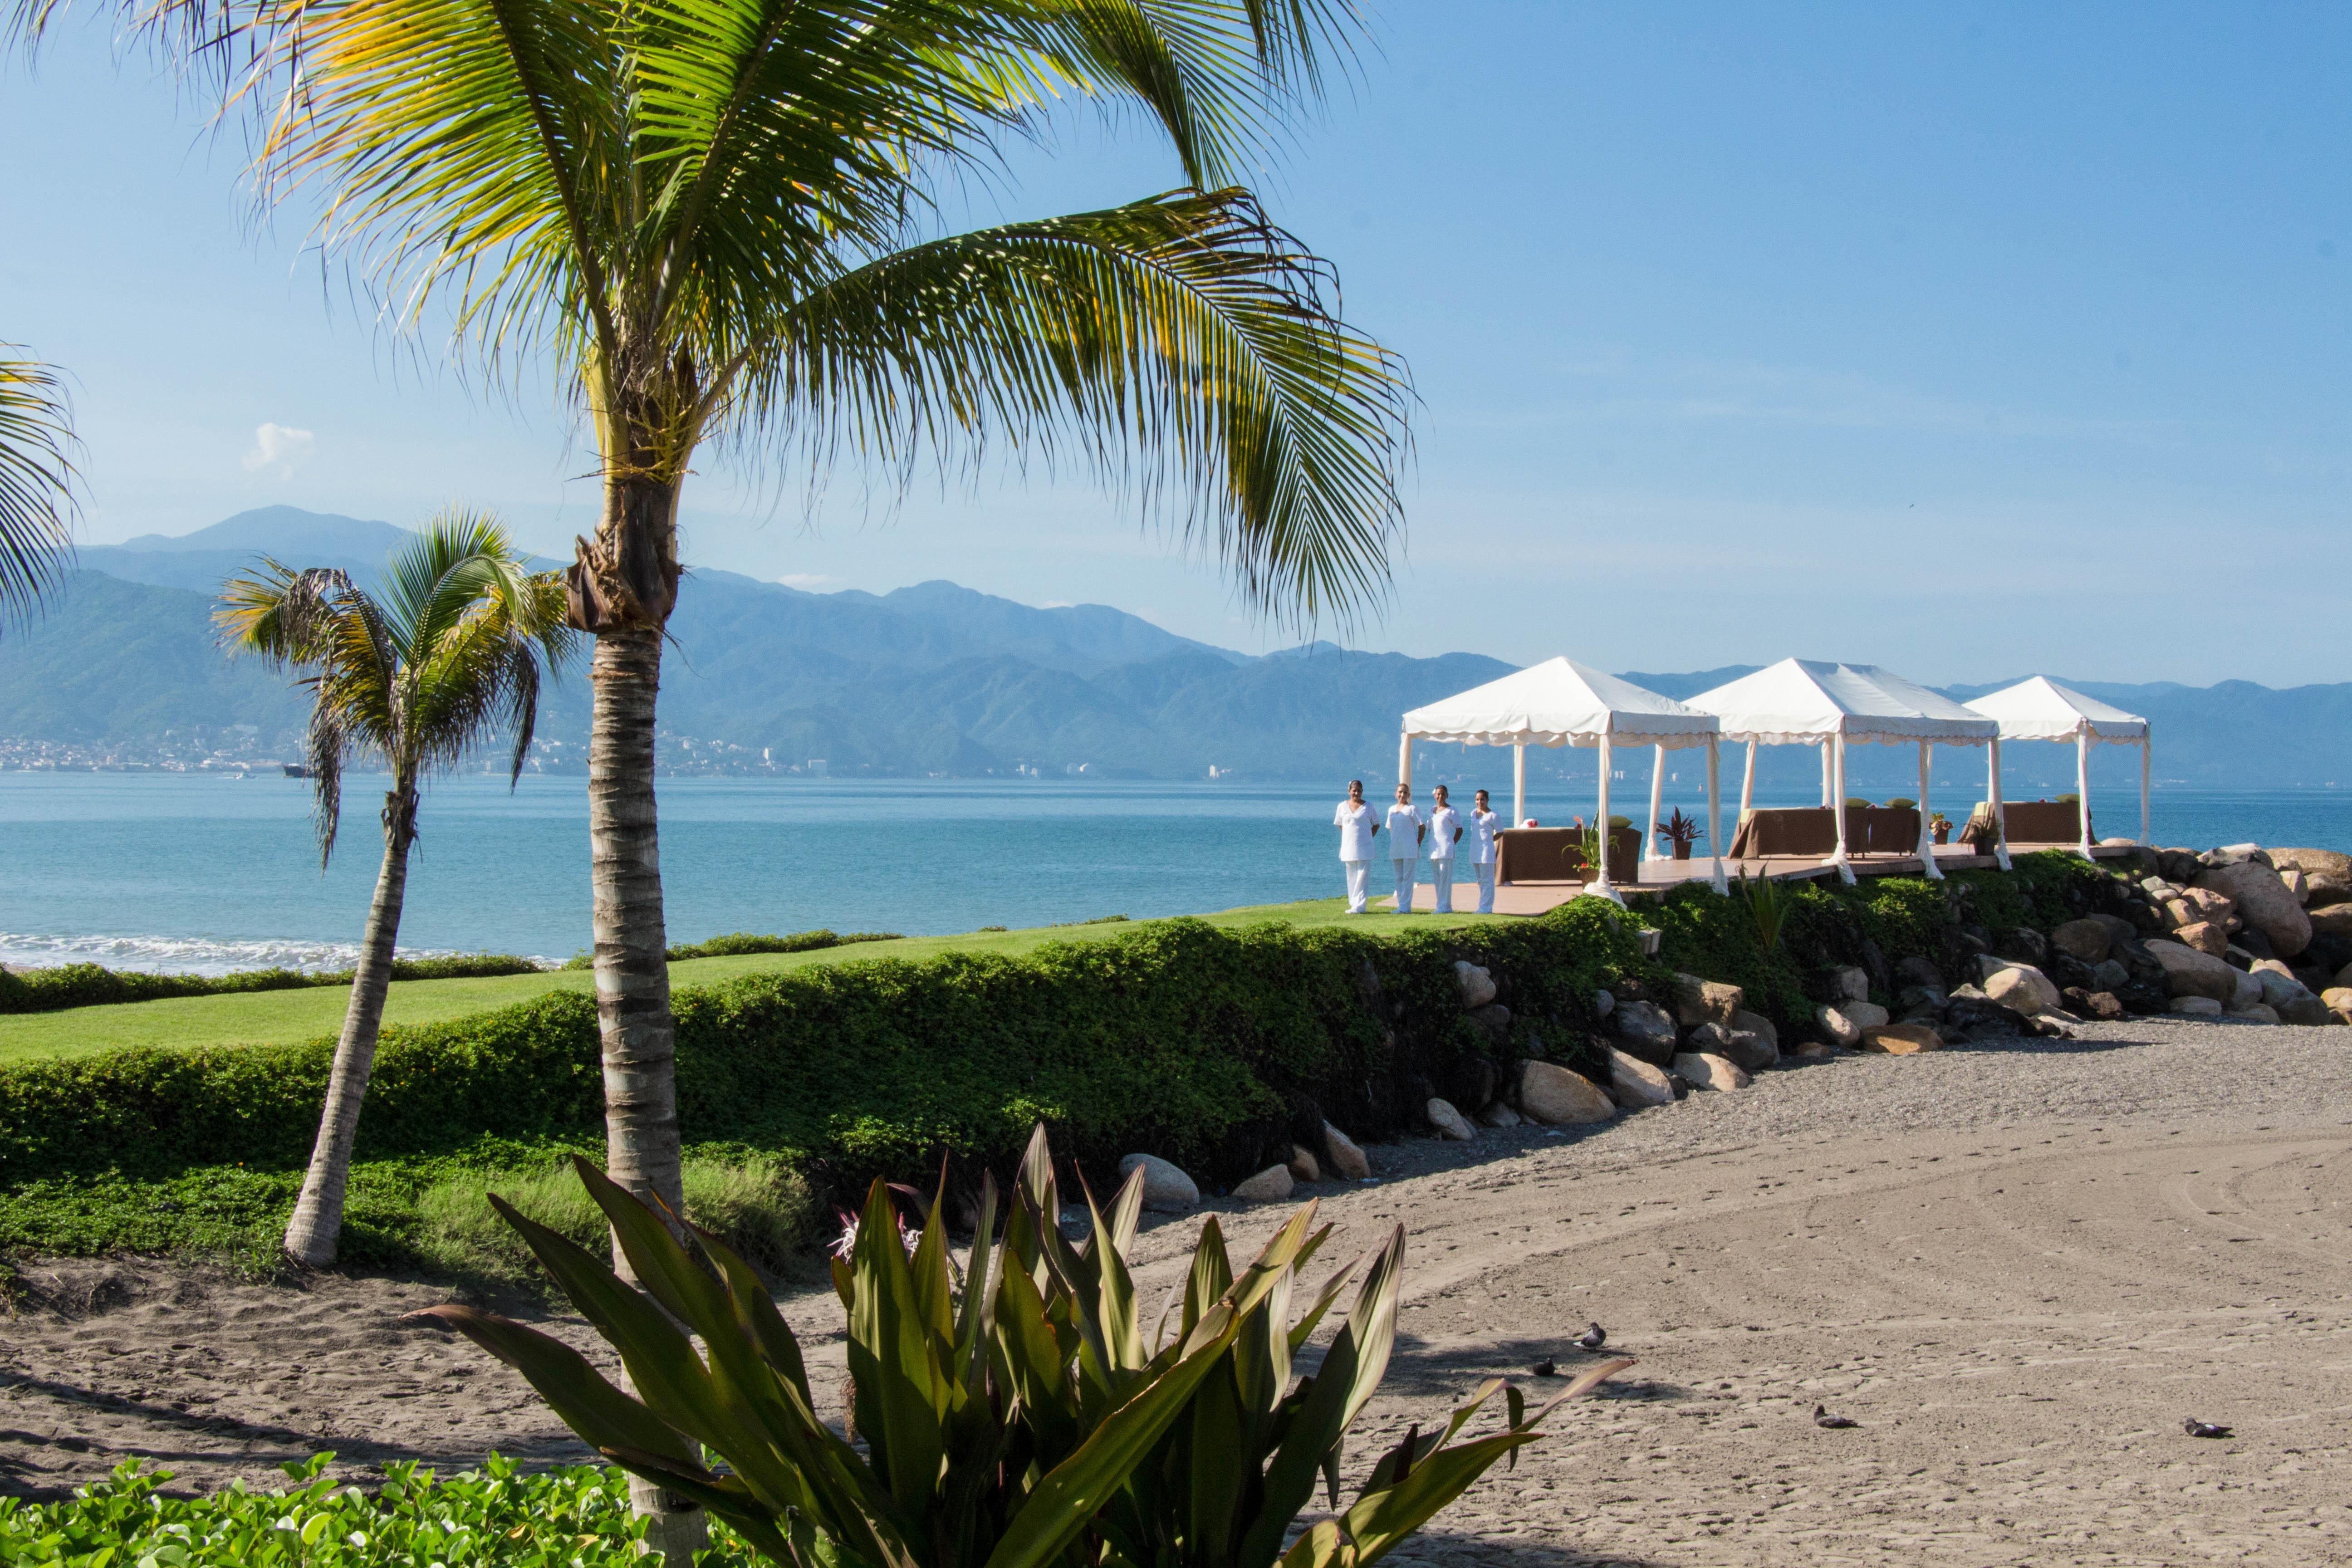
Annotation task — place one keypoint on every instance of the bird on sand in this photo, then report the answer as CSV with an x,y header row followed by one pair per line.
x,y
2197,1429
1821,1418
1545,1368
1594,1337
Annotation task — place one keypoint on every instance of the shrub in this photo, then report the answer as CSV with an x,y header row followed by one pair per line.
x,y
93,986
573,1517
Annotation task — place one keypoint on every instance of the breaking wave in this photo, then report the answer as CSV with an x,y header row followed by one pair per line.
x,y
188,955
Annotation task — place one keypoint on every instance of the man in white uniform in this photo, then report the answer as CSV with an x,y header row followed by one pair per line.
x,y
1483,826
1357,824
1445,833
1408,826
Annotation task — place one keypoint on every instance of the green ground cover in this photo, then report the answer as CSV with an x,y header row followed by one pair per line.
x,y
285,1016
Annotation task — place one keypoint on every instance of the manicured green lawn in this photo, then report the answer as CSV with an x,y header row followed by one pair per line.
x,y
269,1017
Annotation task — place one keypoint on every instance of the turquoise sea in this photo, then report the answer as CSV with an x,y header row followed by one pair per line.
x,y
174,871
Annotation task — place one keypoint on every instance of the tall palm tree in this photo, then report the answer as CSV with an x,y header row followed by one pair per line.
x,y
37,482
715,218
451,652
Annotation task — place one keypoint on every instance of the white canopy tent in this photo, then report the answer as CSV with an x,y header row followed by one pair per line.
x,y
1560,702
1805,702
2039,709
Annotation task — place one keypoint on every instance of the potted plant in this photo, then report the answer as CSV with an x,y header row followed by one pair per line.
x,y
1983,835
1678,831
1941,825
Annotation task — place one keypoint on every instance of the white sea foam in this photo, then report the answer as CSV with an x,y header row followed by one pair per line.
x,y
187,955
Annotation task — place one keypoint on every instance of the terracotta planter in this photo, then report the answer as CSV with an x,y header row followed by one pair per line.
x,y
1682,848
1944,834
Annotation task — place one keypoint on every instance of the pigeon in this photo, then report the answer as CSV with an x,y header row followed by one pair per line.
x,y
1545,1368
2197,1429
1821,1418
1594,1337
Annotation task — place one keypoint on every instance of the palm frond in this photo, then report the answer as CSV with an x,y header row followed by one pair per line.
x,y
37,483
1184,338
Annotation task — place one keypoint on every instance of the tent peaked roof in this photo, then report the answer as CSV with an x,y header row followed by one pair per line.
x,y
2039,709
1804,702
1560,702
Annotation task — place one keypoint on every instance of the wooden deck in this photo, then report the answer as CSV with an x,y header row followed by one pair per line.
x,y
1658,876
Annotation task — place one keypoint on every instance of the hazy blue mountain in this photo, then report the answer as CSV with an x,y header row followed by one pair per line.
x,y
939,678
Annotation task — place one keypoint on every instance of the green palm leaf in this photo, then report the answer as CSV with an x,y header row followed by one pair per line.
x,y
37,483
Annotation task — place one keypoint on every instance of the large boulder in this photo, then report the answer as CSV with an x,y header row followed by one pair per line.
x,y
2110,975
2339,999
1270,1186
1700,1001
1701,1070
2204,936
2310,861
1917,969
1842,1024
2023,989
1166,1188
1477,985
2188,972
2117,928
2263,903
1499,1114
1551,1094
1449,1122
1303,1165
2249,992
2211,904
2197,1006
2306,1009
1902,1039
1851,983
1747,1022
1637,1083
2321,889
2253,1013
1341,1157
1750,1051
2333,919
1646,1030
2087,940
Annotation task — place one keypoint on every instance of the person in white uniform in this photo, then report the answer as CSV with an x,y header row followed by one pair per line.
x,y
1408,826
1357,824
1483,826
1444,834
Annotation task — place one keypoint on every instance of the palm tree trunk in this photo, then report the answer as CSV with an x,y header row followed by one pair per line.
x,y
641,1139
318,1222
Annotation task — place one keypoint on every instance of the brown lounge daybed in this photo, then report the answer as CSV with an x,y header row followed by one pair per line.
x,y
1554,855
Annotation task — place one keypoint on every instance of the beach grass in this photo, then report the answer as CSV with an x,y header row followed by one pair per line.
x,y
278,1017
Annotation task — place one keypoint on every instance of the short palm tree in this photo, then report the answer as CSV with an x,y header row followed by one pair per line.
x,y
37,482
714,219
453,648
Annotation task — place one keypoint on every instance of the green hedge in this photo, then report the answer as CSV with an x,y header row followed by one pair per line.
x,y
93,986
1176,1037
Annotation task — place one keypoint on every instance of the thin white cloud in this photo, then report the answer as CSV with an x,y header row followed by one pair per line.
x,y
276,449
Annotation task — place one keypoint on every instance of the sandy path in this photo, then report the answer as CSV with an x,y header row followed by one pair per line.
x,y
2019,1268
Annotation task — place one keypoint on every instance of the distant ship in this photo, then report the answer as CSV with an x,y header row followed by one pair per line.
x,y
297,771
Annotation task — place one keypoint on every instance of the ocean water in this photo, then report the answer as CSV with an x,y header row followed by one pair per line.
x,y
205,875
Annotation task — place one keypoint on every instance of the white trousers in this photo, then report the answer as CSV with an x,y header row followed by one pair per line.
x,y
1359,884
1485,869
1404,871
1441,872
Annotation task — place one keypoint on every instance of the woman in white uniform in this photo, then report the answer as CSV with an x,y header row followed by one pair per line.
x,y
1357,824
1483,826
1445,833
1408,826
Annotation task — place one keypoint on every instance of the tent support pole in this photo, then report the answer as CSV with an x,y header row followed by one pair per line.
x,y
1518,784
1836,749
2147,752
1829,792
1747,784
1404,757
1993,805
1657,783
2083,788
1602,885
1715,814
1927,833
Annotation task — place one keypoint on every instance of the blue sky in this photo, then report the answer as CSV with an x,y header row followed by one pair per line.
x,y
1967,341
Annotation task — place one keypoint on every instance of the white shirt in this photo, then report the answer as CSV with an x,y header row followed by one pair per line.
x,y
1483,826
1405,823
1444,824
1355,825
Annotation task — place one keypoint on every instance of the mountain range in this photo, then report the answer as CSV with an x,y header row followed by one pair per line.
x,y
940,680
